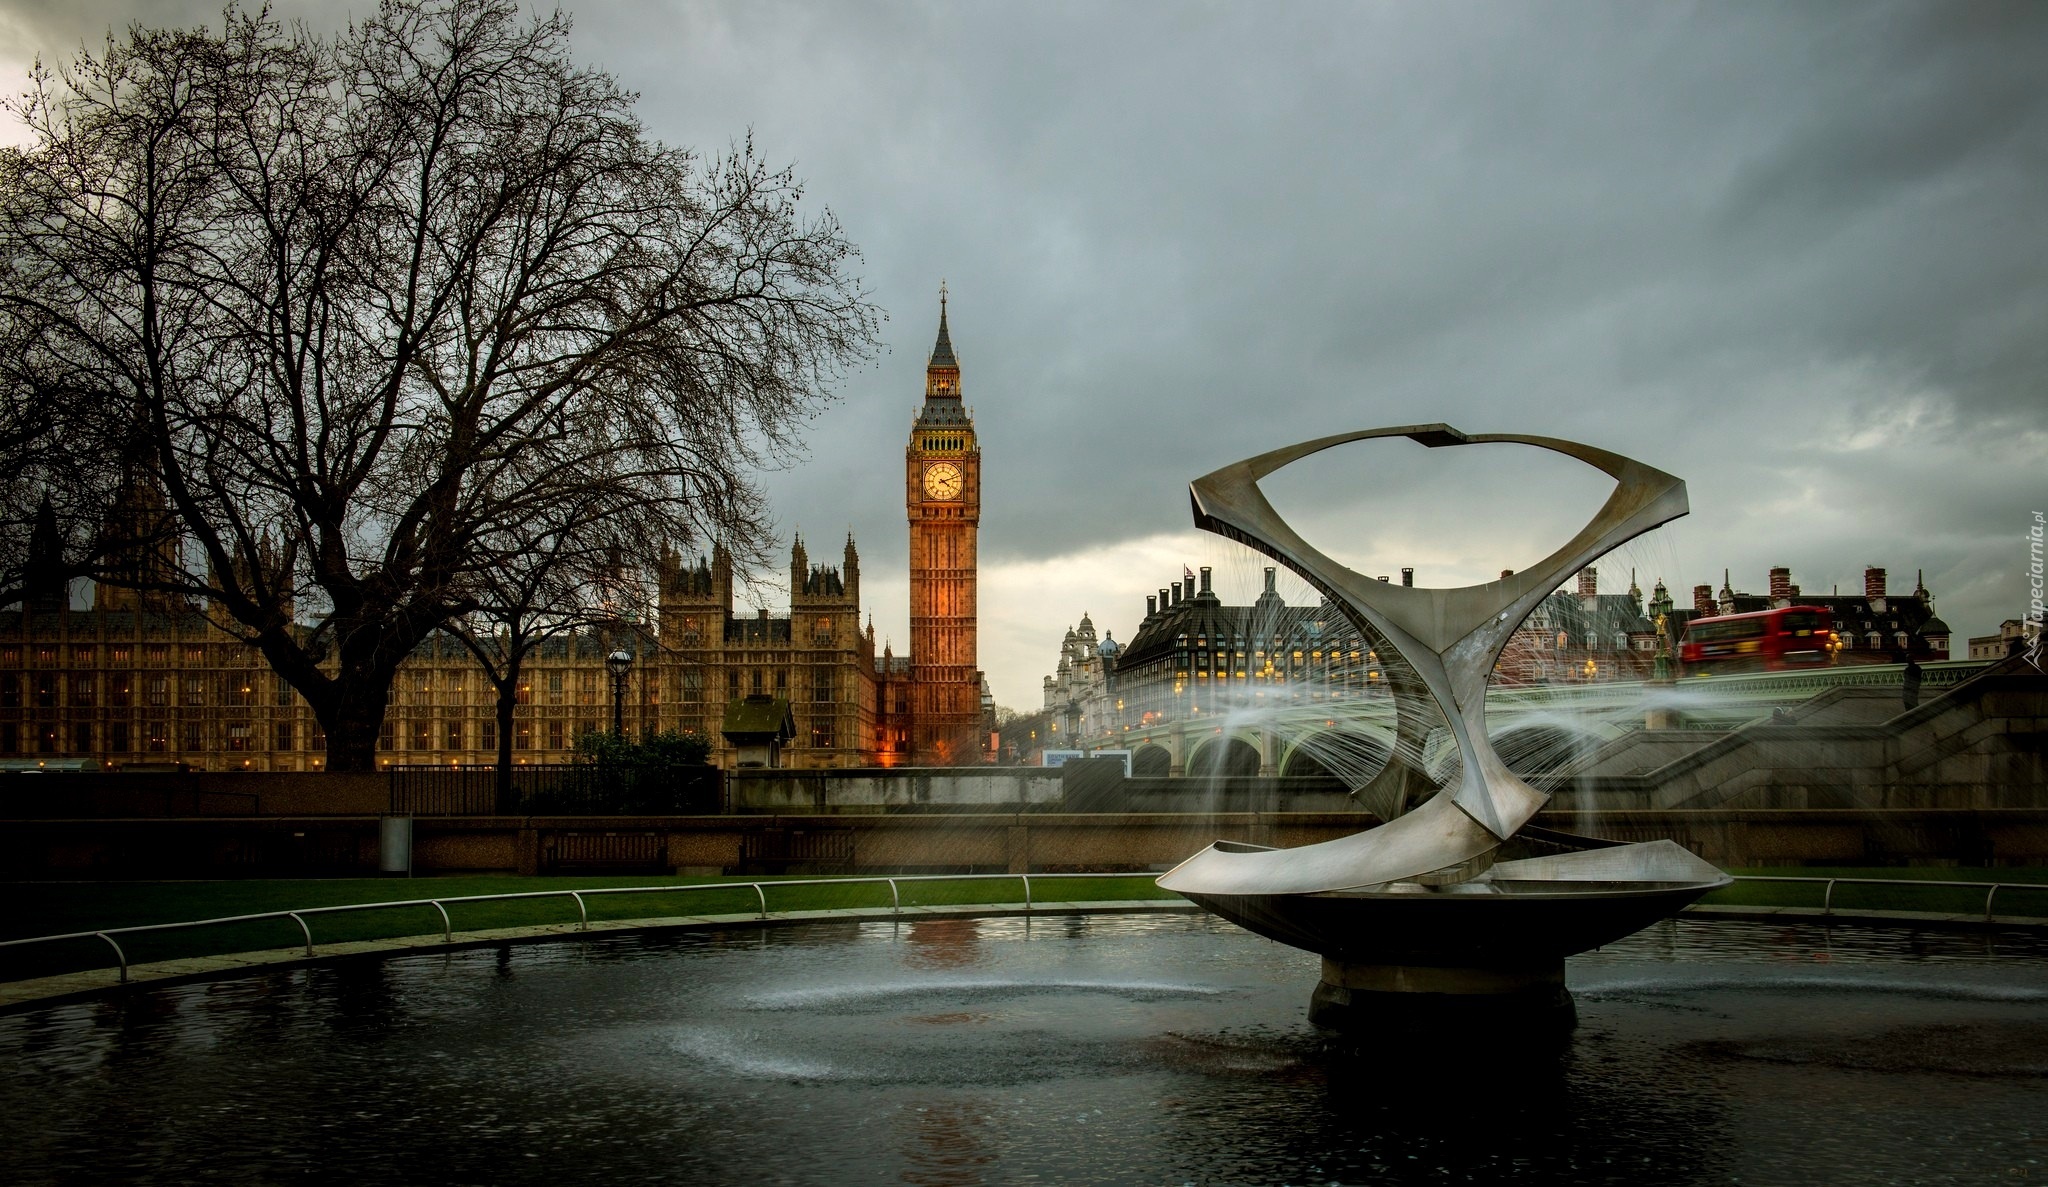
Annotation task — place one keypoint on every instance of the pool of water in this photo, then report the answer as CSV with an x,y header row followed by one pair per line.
x,y
1106,1049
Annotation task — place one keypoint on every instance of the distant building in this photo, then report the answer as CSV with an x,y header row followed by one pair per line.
x,y
819,659
1874,628
1586,636
1193,655
144,678
946,724
148,678
2011,637
1084,682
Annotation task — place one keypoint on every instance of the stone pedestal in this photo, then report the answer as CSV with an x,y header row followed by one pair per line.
x,y
1364,999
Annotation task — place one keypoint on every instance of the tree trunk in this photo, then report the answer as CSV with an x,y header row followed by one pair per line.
x,y
352,724
508,701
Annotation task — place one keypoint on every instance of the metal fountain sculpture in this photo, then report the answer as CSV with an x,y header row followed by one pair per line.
x,y
1457,906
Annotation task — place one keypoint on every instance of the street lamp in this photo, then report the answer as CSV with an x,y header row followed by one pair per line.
x,y
617,663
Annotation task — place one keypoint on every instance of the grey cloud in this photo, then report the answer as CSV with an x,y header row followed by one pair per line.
x,y
1718,237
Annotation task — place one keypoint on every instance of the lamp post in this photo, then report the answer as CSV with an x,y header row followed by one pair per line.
x,y
618,663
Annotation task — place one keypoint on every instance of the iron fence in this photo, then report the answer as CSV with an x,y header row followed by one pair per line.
x,y
574,789
579,897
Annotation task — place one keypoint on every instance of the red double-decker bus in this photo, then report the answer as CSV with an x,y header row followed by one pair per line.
x,y
1767,641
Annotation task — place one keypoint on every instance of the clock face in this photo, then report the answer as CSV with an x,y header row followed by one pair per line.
x,y
942,481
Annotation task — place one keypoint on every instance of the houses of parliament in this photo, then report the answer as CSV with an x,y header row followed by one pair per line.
x,y
141,679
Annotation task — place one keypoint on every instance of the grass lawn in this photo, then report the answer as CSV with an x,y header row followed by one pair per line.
x,y
56,908
53,908
1955,900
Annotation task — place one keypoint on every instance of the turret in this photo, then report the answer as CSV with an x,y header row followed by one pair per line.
x,y
942,369
44,585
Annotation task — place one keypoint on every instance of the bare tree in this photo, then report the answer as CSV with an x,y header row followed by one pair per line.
x,y
52,497
555,575
363,305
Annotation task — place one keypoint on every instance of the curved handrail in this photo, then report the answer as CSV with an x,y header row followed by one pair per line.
x,y
583,916
298,915
1827,905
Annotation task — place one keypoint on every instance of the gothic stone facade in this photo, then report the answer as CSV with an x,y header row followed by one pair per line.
x,y
140,680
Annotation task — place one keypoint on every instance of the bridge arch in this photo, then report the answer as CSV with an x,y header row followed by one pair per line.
x,y
1351,755
1151,761
1225,754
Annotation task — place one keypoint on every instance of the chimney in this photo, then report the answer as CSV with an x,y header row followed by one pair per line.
x,y
1269,579
1164,601
1703,600
1589,583
1176,593
1205,579
1781,586
1384,579
1873,587
1151,607
1408,577
1506,573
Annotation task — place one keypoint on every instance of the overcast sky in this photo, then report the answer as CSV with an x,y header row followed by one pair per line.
x,y
1794,254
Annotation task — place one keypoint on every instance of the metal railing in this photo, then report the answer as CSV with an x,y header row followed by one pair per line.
x,y
893,882
582,909
1827,901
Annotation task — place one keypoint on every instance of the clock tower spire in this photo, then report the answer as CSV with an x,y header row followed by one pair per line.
x,y
942,496
942,370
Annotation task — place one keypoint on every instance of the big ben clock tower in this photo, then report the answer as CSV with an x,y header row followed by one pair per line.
x,y
942,492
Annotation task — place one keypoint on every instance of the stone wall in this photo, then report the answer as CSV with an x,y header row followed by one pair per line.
x,y
196,793
784,791
1980,745
1015,842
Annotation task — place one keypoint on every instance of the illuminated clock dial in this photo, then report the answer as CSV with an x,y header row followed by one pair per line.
x,y
942,481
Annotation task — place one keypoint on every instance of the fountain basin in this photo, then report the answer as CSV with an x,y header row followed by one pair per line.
x,y
1487,946
1109,1049
1511,924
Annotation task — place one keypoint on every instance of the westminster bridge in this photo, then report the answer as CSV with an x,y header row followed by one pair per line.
x,y
1537,729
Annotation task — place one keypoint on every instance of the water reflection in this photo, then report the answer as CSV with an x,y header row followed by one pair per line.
x,y
942,943
945,1142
